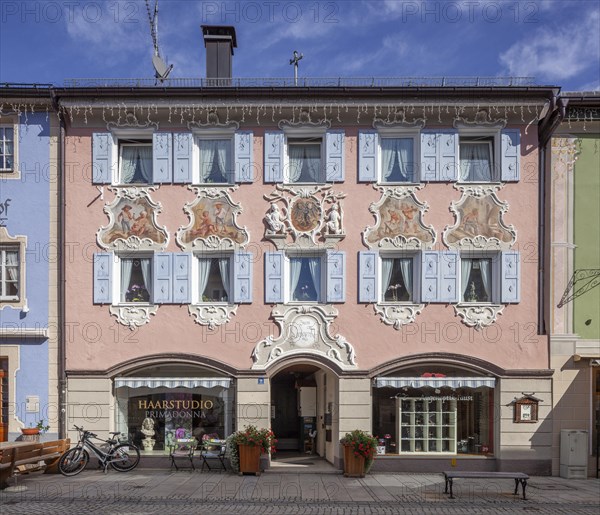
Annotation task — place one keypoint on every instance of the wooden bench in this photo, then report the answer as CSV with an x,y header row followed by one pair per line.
x,y
19,456
519,477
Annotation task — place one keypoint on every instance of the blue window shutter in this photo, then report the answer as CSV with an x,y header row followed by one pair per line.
x,y
367,276
103,278
334,156
181,277
242,277
336,276
243,148
449,265
511,155
448,156
183,144
274,286
162,157
430,276
511,275
429,155
368,148
162,274
102,143
274,141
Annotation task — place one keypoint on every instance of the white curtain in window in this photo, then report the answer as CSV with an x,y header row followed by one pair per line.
x,y
313,162
126,269
207,157
145,155
314,264
400,150
475,162
484,268
221,149
12,264
406,270
295,268
224,269
128,160
203,274
147,275
387,266
296,155
465,273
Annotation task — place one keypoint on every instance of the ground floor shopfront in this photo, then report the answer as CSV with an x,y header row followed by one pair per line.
x,y
429,412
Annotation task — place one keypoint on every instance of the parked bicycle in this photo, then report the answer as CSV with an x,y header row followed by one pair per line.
x,y
121,456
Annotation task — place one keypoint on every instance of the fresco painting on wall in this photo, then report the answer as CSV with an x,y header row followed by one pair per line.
x,y
479,217
213,217
133,217
399,217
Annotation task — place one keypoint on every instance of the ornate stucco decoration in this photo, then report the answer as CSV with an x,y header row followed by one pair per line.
x,y
212,315
481,119
304,329
399,122
133,316
478,316
213,222
132,222
312,215
304,123
18,242
131,121
214,122
399,221
479,221
398,315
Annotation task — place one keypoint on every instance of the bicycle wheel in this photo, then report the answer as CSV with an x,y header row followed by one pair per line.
x,y
73,461
125,457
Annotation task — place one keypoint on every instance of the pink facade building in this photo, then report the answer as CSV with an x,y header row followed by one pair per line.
x,y
310,259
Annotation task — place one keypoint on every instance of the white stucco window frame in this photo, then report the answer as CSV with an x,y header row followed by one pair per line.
x,y
12,122
496,154
399,133
119,137
291,133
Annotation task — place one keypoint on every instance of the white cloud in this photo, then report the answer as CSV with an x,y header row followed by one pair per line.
x,y
557,54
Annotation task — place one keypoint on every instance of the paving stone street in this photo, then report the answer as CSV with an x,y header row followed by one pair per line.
x,y
190,492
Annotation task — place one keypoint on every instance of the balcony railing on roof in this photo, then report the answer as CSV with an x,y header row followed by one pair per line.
x,y
287,82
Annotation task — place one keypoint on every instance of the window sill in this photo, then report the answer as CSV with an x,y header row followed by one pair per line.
x,y
478,315
396,184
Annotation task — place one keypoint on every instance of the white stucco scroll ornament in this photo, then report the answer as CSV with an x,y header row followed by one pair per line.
x,y
133,316
212,315
132,222
478,316
312,215
304,329
399,221
213,222
479,221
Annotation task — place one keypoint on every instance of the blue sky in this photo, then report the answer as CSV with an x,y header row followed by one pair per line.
x,y
557,42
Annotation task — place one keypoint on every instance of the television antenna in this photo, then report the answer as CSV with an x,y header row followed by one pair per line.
x,y
161,70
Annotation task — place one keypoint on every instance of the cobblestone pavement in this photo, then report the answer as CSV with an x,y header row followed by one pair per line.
x,y
187,492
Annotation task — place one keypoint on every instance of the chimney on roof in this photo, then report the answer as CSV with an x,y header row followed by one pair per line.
x,y
219,41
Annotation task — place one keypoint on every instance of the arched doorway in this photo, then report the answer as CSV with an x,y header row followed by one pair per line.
x,y
294,408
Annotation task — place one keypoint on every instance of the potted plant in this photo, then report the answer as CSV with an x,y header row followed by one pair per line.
x,y
246,447
40,427
359,452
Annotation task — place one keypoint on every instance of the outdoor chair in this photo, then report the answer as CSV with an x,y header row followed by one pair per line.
x,y
183,449
214,451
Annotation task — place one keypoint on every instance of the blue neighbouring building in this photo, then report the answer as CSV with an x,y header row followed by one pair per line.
x,y
29,229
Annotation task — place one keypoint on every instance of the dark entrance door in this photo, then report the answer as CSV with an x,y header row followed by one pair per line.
x,y
284,402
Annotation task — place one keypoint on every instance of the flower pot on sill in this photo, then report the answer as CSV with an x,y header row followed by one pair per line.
x,y
30,431
249,459
354,466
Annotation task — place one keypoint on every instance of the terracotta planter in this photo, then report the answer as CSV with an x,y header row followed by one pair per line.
x,y
354,466
249,459
30,431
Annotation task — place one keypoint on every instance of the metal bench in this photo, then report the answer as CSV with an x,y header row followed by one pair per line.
x,y
519,477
